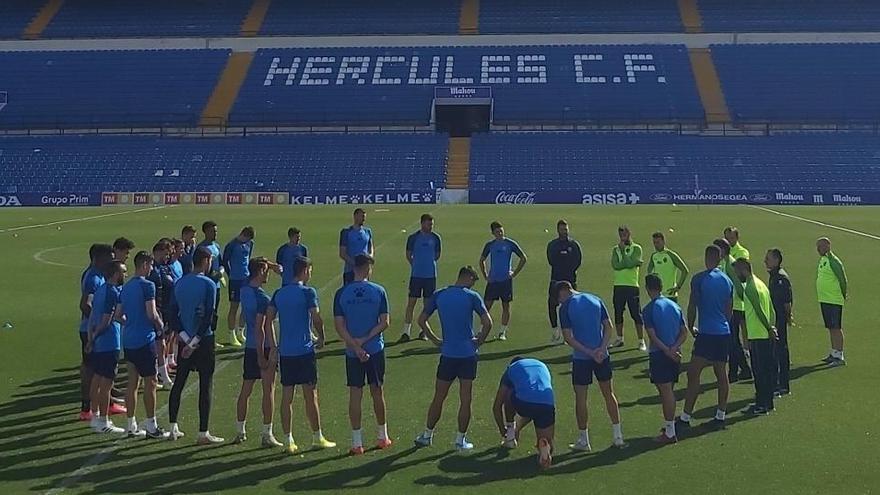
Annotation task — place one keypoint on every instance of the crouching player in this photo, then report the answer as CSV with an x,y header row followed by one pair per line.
x,y
526,390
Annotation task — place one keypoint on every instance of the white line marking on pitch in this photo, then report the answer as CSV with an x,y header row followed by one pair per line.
x,y
38,256
82,219
104,453
816,222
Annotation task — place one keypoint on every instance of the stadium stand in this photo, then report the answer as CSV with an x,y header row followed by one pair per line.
x,y
362,86
302,163
15,15
652,162
789,15
578,16
800,83
107,88
347,17
110,18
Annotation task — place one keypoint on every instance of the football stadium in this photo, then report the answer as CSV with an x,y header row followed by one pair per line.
x,y
482,246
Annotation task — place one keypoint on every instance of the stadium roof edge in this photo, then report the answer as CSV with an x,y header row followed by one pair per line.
x,y
691,40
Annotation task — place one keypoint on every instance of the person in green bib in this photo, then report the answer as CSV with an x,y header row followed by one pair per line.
x,y
760,335
668,265
737,363
831,288
626,260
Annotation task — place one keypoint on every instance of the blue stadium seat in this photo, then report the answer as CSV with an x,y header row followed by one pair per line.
x,y
107,88
298,163
112,18
530,84
804,83
579,16
789,15
341,17
15,16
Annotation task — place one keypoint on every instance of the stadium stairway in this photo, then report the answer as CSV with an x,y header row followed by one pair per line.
x,y
216,111
709,86
690,16
469,20
38,24
253,22
458,164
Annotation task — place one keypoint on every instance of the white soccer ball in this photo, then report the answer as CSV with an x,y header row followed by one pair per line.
x,y
403,231
674,205
546,231
671,229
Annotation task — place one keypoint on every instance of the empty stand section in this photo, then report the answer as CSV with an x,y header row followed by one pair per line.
x,y
15,15
549,84
44,16
457,170
579,16
690,16
800,83
469,21
343,17
216,112
790,15
120,19
709,86
253,22
125,88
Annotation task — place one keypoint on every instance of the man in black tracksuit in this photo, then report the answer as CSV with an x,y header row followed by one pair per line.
x,y
564,256
782,298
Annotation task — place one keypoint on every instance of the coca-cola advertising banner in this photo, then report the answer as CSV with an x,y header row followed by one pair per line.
x,y
639,196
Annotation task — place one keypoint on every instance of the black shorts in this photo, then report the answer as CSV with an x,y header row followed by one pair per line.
x,y
202,359
373,371
626,296
83,340
422,287
144,360
543,415
713,348
235,290
832,314
347,278
251,365
299,370
582,371
461,368
662,368
499,290
105,364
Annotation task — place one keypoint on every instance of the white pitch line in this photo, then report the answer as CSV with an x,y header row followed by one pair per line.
x,y
82,219
104,453
38,256
816,222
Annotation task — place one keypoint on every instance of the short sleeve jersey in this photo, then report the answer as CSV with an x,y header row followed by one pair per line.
x,y
425,249
360,304
294,303
712,291
665,317
584,314
138,330
499,252
530,381
457,306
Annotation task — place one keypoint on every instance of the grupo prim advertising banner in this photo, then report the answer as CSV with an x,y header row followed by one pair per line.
x,y
49,199
194,198
633,196
364,198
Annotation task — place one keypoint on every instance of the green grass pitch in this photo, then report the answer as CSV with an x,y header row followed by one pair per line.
x,y
822,438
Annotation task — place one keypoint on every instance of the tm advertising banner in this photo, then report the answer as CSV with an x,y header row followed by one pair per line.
x,y
194,198
634,196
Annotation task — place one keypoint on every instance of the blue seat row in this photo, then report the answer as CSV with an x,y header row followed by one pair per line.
x,y
789,15
579,16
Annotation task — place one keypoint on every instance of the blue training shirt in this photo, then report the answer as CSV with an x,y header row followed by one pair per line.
x,y
138,331
186,259
457,306
254,301
103,304
195,297
176,270
236,256
425,249
214,248
530,381
712,291
286,256
361,303
665,317
355,241
89,282
294,303
499,253
584,314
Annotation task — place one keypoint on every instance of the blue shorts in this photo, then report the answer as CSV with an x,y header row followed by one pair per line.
x,y
251,364
582,371
713,348
105,364
373,371
499,290
235,290
422,287
299,370
461,368
144,360
543,415
663,369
